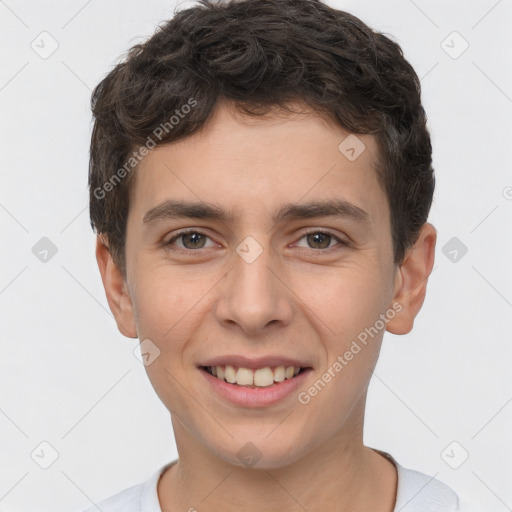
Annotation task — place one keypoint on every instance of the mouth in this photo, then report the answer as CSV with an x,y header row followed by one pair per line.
x,y
254,378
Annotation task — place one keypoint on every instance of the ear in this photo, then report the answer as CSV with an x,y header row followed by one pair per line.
x,y
116,290
411,280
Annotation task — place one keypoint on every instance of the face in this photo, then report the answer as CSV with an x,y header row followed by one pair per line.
x,y
280,247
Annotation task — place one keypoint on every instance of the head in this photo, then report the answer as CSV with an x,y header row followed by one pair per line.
x,y
268,116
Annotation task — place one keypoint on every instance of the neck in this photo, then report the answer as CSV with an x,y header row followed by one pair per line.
x,y
341,475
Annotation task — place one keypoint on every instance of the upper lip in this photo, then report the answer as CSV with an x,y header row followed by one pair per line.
x,y
254,363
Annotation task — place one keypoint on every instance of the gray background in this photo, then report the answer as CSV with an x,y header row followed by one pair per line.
x,y
68,378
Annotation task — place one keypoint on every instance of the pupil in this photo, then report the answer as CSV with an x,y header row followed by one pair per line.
x,y
323,237
194,237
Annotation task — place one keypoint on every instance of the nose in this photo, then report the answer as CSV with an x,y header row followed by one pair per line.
x,y
253,296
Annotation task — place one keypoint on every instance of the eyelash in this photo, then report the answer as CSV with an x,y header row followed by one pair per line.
x,y
169,243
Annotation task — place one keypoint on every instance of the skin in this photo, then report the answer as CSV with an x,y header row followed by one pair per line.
x,y
298,298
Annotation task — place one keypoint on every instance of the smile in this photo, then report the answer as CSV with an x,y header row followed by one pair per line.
x,y
261,377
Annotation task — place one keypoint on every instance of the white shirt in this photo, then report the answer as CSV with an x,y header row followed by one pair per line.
x,y
416,492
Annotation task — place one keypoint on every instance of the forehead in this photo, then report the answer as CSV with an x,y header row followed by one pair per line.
x,y
243,163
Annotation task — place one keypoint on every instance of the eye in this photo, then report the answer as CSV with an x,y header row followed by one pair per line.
x,y
322,239
191,239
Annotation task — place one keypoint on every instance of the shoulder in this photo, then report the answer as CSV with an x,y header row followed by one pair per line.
x,y
418,492
139,498
128,500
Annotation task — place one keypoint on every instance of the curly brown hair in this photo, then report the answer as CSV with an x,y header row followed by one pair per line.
x,y
260,54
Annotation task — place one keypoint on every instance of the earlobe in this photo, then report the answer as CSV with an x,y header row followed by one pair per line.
x,y
411,280
116,290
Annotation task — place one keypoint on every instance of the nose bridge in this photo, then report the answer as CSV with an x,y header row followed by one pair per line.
x,y
252,296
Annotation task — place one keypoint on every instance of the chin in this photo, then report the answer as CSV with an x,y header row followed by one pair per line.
x,y
259,452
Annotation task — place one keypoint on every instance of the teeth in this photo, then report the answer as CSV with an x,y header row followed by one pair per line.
x,y
244,377
279,374
230,374
262,377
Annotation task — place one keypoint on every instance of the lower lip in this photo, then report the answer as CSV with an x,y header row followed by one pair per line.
x,y
256,397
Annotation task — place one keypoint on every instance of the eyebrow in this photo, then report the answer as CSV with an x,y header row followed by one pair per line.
x,y
173,209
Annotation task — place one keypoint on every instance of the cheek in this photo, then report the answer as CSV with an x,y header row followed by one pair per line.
x,y
169,304
345,300
347,309
159,305
167,310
